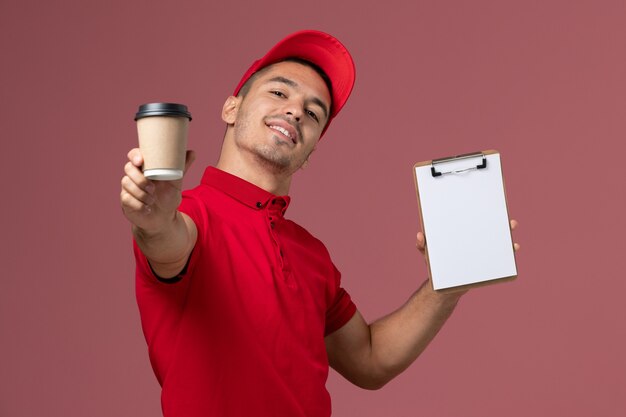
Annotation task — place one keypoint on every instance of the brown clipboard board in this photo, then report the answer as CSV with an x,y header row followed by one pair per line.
x,y
464,216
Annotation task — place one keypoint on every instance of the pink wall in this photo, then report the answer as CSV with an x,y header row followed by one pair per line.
x,y
544,82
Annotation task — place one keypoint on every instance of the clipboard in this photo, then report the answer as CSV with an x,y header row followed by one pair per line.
x,y
464,216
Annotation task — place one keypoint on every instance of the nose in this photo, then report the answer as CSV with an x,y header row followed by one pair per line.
x,y
296,118
294,110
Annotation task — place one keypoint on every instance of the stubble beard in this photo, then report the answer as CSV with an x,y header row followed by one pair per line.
x,y
269,155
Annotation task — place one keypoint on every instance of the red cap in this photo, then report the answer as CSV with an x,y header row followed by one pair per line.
x,y
321,49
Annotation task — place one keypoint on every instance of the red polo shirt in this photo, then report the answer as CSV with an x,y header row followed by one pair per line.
x,y
242,332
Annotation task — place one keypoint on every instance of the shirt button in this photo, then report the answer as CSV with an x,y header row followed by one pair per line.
x,y
259,204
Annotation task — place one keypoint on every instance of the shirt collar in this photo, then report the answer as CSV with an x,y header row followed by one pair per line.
x,y
242,190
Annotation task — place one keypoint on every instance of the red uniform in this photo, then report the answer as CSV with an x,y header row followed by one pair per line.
x,y
241,332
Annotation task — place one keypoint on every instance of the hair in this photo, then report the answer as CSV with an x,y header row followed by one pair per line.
x,y
243,91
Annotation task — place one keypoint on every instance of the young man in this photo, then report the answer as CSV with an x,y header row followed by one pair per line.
x,y
242,309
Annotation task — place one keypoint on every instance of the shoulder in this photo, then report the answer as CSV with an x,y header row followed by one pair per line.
x,y
303,232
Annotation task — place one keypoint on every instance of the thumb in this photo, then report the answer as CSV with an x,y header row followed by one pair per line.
x,y
190,157
421,242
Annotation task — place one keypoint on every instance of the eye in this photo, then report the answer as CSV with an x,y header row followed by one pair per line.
x,y
278,93
312,115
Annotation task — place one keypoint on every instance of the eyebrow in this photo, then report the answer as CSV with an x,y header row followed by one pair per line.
x,y
294,84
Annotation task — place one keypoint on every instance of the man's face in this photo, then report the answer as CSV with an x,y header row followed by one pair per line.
x,y
282,116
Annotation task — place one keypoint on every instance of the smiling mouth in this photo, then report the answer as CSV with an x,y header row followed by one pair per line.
x,y
283,131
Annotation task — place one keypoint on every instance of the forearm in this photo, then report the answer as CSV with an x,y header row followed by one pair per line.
x,y
399,338
167,247
371,355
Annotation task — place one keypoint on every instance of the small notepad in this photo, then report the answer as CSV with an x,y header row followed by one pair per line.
x,y
464,216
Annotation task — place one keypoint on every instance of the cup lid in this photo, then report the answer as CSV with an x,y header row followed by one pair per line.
x,y
162,109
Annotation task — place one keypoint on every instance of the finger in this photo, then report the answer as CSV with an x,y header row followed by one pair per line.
x,y
137,177
421,241
516,246
131,205
514,224
136,192
135,156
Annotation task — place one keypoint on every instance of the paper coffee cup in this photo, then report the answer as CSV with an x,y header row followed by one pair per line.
x,y
162,130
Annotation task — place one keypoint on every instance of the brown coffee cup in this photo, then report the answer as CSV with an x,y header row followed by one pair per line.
x,y
162,130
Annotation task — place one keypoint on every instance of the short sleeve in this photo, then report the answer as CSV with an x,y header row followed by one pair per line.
x,y
341,308
191,206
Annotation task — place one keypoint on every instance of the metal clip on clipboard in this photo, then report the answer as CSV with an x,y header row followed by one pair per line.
x,y
457,158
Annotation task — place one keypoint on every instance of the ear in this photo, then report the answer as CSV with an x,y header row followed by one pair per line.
x,y
230,109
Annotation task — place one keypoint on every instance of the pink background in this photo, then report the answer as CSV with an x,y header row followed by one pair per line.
x,y
544,82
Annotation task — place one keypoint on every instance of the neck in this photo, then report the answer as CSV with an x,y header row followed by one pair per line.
x,y
248,166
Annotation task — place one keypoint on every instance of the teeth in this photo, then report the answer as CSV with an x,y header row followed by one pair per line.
x,y
281,130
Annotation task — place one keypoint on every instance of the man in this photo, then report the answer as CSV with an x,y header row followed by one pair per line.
x,y
243,310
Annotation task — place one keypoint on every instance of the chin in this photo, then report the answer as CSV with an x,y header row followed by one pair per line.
x,y
269,155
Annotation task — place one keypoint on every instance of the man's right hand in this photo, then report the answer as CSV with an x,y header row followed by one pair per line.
x,y
147,204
